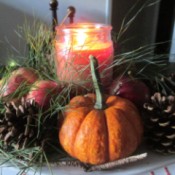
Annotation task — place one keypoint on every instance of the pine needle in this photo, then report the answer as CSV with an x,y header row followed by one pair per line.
x,y
128,21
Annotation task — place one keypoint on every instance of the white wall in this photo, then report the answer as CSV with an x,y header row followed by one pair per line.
x,y
88,10
10,20
98,11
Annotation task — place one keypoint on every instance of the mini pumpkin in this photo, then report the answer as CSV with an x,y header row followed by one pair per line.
x,y
100,128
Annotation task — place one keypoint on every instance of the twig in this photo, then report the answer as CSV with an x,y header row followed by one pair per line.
x,y
117,163
74,163
60,163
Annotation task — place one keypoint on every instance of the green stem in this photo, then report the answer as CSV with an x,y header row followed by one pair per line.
x,y
100,101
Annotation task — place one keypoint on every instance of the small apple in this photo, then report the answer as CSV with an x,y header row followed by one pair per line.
x,y
42,91
132,89
18,78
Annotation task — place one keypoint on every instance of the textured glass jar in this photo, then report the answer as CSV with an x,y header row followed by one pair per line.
x,y
74,43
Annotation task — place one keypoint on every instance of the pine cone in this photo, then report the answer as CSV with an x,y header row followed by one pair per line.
x,y
22,126
160,123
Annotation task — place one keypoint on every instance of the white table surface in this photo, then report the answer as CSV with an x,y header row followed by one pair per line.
x,y
153,164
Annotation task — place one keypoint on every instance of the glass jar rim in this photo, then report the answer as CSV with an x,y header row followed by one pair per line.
x,y
89,27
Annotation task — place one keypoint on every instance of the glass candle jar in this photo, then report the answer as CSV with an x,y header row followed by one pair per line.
x,y
74,44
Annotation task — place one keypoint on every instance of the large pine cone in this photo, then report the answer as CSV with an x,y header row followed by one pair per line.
x,y
160,123
24,126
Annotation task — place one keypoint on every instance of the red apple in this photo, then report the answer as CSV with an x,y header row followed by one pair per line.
x,y
134,90
18,78
42,91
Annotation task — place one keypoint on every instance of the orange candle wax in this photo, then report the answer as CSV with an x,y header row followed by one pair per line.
x,y
74,44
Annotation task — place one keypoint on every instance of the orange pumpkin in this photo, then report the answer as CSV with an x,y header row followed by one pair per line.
x,y
98,128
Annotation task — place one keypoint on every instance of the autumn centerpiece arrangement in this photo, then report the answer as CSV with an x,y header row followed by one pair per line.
x,y
45,121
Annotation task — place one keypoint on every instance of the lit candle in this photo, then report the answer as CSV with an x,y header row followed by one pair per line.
x,y
74,44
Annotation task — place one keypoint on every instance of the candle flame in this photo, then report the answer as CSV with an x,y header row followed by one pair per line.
x,y
81,38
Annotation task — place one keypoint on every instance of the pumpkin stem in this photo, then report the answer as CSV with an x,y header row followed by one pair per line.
x,y
100,102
